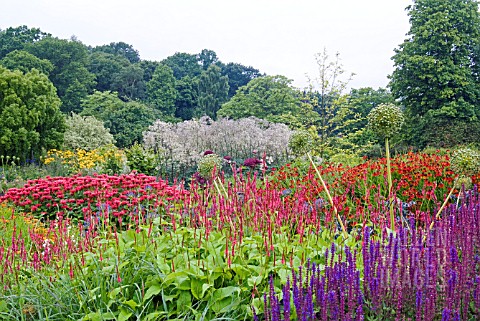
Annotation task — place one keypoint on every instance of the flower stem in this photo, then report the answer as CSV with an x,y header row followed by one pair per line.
x,y
345,234
390,185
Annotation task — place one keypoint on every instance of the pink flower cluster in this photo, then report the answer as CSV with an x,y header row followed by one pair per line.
x,y
116,195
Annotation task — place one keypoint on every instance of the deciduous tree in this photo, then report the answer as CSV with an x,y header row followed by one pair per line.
x,y
161,92
30,117
437,70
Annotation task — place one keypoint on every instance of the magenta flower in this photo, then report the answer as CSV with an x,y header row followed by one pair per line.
x,y
252,162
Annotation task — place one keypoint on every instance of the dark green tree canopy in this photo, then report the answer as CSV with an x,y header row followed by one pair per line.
x,y
161,92
183,64
129,83
187,94
24,61
437,68
128,123
70,74
30,117
120,49
212,92
238,76
17,38
206,58
106,67
100,104
263,97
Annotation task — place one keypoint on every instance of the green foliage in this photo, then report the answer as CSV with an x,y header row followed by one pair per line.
x,y
206,58
70,75
187,95
17,38
106,67
24,61
30,117
86,132
141,159
212,92
120,49
385,120
183,64
128,122
351,118
263,97
436,73
161,90
238,76
129,82
101,104
125,120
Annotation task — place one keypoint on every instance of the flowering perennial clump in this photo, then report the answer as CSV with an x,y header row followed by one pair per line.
x,y
413,275
133,196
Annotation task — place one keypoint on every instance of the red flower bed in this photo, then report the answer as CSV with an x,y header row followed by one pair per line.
x,y
133,195
421,183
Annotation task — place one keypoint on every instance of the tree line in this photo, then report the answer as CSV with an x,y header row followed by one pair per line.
x,y
44,79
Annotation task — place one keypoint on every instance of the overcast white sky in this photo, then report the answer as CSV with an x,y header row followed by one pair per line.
x,y
274,36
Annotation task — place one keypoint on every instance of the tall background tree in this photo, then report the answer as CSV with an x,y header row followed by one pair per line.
x,y
161,91
70,75
30,117
16,38
212,92
266,97
437,70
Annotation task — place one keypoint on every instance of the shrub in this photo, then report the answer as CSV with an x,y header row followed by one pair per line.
x,y
86,132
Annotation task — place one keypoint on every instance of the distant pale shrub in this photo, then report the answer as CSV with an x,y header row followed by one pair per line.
x,y
184,143
86,132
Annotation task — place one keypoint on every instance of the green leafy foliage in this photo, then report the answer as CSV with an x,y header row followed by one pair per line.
x,y
30,117
121,49
24,61
17,38
70,75
161,90
187,95
212,92
106,67
128,123
263,97
436,70
141,160
238,76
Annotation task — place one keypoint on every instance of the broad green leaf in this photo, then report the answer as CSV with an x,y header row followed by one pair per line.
x,y
184,301
223,293
151,291
196,287
132,304
3,306
124,314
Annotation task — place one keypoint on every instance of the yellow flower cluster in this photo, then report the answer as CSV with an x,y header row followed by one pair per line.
x,y
85,161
